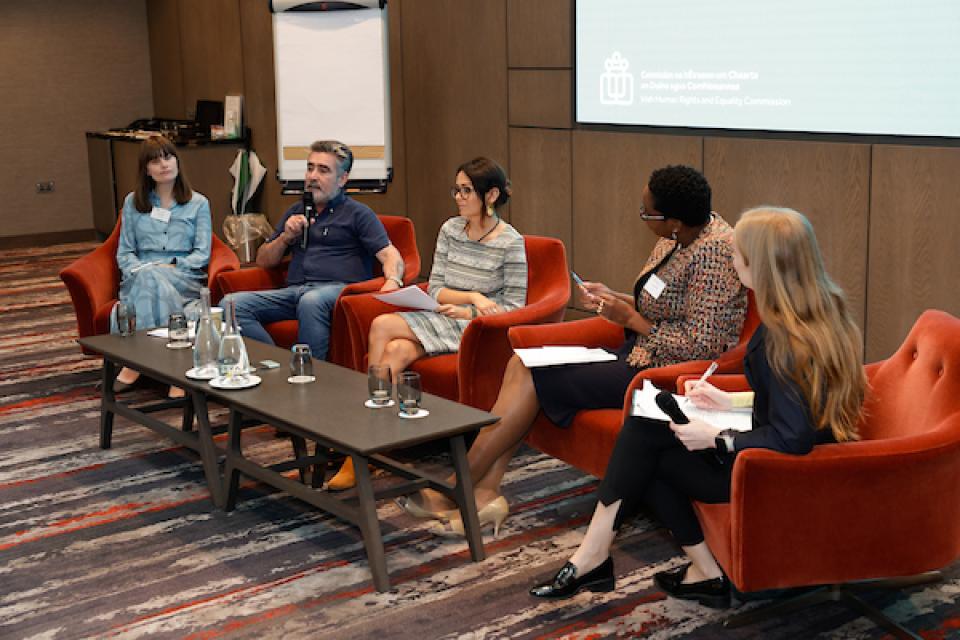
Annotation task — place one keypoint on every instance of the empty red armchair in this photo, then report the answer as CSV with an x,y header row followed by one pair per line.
x,y
887,506
588,442
284,333
473,375
94,280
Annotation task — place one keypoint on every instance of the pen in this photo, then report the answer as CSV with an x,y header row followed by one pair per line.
x,y
706,374
576,278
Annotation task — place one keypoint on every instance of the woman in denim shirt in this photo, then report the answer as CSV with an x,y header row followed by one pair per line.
x,y
164,247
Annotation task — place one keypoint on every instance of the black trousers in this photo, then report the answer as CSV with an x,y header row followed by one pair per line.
x,y
650,467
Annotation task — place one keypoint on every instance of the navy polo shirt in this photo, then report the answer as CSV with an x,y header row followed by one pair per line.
x,y
344,240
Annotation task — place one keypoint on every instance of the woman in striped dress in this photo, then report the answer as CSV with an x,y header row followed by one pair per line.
x,y
479,269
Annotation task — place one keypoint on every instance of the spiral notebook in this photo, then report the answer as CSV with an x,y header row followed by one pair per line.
x,y
644,405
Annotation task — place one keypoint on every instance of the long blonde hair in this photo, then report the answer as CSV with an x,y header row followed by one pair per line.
x,y
811,337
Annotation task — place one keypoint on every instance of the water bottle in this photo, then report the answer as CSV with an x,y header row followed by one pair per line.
x,y
232,361
206,345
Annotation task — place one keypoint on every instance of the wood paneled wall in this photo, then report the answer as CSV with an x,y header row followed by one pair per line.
x,y
494,78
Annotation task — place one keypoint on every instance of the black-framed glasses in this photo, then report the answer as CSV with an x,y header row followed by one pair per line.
x,y
646,216
464,191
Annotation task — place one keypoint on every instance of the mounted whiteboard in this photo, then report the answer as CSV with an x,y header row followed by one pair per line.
x,y
333,82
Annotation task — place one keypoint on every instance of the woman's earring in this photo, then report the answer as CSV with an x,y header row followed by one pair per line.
x,y
490,210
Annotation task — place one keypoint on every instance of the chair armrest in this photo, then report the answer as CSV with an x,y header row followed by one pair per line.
x,y
728,382
486,347
853,502
222,260
252,279
93,281
590,332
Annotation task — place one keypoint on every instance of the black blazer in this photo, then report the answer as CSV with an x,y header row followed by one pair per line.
x,y
781,418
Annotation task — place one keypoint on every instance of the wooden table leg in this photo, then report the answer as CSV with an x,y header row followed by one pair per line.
x,y
463,492
370,525
231,475
106,403
208,452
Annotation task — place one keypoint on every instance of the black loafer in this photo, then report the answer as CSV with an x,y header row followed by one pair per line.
x,y
713,593
120,387
566,583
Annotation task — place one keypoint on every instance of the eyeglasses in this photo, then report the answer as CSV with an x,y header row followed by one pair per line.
x,y
463,191
645,216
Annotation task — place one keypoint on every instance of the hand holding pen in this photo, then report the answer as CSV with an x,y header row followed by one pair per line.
x,y
704,395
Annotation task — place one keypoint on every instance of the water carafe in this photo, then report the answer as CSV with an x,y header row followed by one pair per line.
x,y
232,361
206,345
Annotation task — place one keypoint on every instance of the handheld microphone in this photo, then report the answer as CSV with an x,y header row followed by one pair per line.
x,y
668,404
310,211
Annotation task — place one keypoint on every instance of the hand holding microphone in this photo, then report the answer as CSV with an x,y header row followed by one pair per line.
x,y
309,212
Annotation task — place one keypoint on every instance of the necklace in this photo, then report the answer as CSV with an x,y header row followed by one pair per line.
x,y
490,230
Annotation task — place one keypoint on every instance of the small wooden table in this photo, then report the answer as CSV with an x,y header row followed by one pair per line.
x,y
329,412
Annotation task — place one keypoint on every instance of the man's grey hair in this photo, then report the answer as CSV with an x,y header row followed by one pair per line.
x,y
339,150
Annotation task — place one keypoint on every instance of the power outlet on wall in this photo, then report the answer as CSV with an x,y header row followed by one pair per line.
x,y
45,187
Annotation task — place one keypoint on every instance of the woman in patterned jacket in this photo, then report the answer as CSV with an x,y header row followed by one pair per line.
x,y
687,304
479,269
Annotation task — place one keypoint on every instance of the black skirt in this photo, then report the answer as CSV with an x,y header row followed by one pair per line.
x,y
563,390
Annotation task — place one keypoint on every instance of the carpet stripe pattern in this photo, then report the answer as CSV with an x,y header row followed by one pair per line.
x,y
124,543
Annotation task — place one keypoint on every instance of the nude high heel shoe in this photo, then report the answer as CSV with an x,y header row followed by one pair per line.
x,y
495,512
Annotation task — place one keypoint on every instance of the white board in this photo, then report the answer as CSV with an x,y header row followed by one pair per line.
x,y
332,82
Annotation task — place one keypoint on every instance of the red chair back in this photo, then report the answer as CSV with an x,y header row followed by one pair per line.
x,y
918,387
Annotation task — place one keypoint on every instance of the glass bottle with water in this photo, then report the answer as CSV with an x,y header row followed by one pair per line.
x,y
232,361
206,345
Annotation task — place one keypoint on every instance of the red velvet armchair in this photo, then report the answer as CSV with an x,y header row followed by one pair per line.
x,y
472,376
886,506
588,441
401,233
94,280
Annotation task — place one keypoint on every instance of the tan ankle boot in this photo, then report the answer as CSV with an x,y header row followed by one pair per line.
x,y
344,478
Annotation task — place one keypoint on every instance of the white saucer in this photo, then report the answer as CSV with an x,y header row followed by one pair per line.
x,y
421,413
301,379
179,345
369,404
208,373
235,383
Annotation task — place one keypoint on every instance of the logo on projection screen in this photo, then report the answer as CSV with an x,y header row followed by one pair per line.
x,y
616,83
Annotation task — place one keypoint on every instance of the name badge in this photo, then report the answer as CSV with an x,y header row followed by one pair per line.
x,y
654,286
162,215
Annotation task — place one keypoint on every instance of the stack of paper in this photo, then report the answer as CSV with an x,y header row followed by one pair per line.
x,y
412,297
546,356
645,406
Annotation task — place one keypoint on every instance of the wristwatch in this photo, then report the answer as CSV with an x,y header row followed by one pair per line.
x,y
725,441
399,281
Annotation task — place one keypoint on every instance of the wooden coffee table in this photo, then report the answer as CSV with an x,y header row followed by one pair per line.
x,y
329,412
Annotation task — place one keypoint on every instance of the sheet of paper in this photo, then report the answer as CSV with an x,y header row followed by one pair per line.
x,y
412,297
645,405
546,356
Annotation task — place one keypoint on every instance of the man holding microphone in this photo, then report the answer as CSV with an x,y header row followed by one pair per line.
x,y
331,249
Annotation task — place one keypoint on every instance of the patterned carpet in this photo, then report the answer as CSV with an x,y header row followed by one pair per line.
x,y
124,543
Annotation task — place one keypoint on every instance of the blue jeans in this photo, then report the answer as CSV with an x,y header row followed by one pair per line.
x,y
311,305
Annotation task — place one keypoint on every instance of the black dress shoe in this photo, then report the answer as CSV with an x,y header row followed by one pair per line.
x,y
566,583
714,592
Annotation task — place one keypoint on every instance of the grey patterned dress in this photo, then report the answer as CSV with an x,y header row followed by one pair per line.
x,y
496,268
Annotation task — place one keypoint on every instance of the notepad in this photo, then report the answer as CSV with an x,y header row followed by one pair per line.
x,y
644,405
547,356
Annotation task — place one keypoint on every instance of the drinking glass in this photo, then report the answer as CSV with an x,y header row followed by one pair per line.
x,y
379,384
126,319
408,392
178,336
301,365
